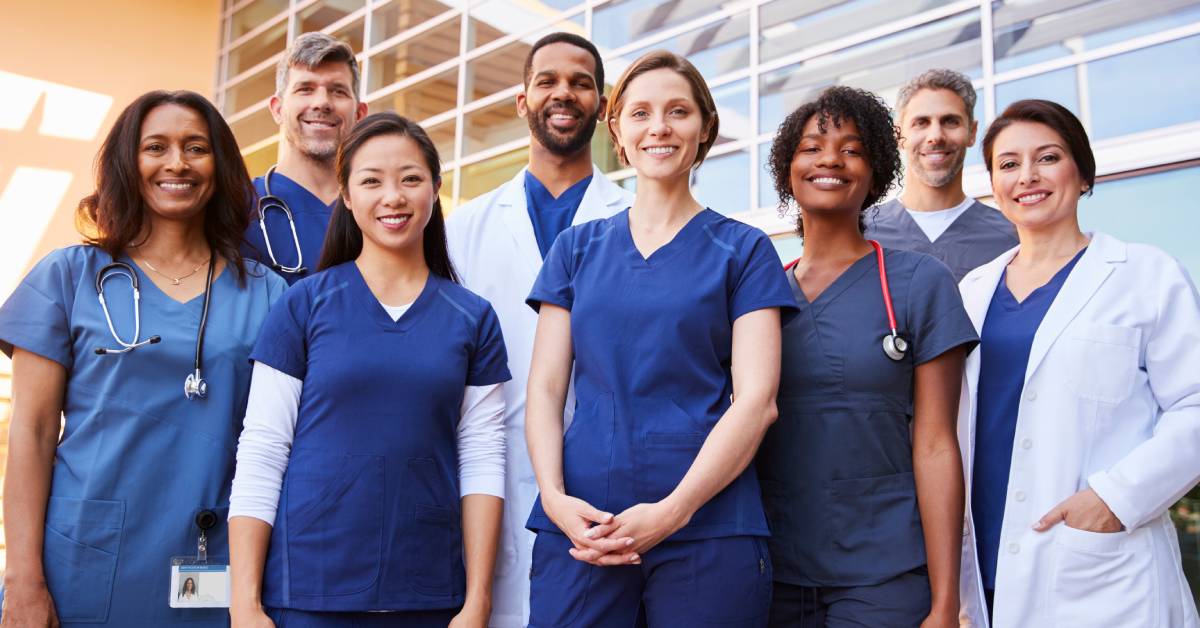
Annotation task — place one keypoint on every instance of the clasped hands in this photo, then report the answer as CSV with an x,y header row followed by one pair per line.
x,y
603,539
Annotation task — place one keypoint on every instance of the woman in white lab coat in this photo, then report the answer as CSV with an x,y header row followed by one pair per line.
x,y
1080,418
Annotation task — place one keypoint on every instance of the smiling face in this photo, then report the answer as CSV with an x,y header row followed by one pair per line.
x,y
936,132
562,103
1035,181
317,109
660,127
830,171
391,192
175,160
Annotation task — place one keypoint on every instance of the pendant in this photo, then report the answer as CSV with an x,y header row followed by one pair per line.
x,y
175,282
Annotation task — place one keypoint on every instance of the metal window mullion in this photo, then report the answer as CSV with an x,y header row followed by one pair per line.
x,y
987,44
464,32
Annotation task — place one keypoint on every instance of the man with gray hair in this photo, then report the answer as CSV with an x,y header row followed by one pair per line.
x,y
933,215
315,105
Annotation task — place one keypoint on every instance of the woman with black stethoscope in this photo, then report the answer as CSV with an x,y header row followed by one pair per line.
x,y
140,340
861,477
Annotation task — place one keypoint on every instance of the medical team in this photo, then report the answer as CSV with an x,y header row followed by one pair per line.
x,y
567,405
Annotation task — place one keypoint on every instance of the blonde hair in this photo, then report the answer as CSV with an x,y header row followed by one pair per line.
x,y
659,60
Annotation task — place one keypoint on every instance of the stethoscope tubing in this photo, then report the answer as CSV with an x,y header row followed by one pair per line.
x,y
894,345
270,201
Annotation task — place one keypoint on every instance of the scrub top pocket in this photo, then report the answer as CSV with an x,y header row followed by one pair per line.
x,y
671,439
587,450
82,542
337,516
873,523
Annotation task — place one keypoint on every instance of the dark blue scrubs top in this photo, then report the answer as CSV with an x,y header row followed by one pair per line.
x,y
551,215
652,340
311,217
836,468
1007,339
369,515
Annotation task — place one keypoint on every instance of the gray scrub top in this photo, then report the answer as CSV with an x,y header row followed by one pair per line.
x,y
836,468
975,238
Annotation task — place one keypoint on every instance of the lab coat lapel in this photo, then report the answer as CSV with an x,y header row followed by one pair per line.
x,y
512,204
602,199
977,289
1085,279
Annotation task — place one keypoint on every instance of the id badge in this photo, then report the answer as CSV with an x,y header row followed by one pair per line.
x,y
199,585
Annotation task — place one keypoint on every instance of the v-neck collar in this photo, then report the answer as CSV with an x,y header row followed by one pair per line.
x,y
914,226
375,309
839,285
669,249
144,281
1009,300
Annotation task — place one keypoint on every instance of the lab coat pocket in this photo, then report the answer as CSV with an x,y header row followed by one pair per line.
x,y
1102,579
82,541
1104,360
587,451
874,524
335,524
671,439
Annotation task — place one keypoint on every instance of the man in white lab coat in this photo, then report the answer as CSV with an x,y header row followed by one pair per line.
x,y
497,243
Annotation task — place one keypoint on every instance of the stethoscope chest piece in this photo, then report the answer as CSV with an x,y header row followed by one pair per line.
x,y
194,387
895,346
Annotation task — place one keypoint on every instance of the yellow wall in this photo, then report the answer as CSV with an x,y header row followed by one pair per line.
x,y
67,68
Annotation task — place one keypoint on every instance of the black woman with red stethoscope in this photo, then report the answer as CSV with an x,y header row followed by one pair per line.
x,y
861,476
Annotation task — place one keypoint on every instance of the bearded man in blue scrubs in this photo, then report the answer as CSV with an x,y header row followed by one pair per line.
x,y
497,244
315,105
933,215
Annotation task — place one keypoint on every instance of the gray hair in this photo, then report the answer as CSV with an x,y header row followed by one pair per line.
x,y
939,78
311,50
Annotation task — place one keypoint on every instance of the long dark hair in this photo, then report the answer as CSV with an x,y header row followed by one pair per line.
x,y
113,217
343,239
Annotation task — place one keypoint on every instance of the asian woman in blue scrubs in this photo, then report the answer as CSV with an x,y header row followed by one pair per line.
x,y
670,315
861,476
94,517
372,463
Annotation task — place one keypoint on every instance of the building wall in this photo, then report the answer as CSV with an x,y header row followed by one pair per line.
x,y
67,68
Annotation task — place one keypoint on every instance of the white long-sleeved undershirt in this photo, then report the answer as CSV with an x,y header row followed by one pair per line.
x,y
269,430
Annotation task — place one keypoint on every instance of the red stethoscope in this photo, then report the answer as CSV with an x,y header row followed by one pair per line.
x,y
894,345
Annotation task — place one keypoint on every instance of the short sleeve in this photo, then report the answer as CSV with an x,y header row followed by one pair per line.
x,y
762,283
489,362
283,339
554,282
35,317
938,322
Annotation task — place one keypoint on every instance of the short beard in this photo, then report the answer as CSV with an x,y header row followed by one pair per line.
x,y
940,178
539,126
320,152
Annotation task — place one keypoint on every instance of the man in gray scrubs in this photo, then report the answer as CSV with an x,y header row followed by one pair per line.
x,y
933,215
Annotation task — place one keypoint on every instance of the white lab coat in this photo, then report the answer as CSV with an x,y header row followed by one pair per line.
x,y
1111,401
494,250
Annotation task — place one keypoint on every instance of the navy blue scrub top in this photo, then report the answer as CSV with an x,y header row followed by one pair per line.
x,y
652,340
551,215
369,515
836,467
311,216
1007,339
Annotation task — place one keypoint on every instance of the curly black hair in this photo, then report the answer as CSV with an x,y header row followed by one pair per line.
x,y
874,121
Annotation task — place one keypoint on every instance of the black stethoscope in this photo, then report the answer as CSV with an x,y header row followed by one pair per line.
x,y
194,387
270,201
894,345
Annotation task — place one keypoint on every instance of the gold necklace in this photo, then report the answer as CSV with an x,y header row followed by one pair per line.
x,y
175,281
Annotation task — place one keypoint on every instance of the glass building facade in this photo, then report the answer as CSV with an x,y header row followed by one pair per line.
x,y
1127,68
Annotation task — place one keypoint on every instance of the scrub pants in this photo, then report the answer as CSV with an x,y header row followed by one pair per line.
x,y
722,582
291,618
900,602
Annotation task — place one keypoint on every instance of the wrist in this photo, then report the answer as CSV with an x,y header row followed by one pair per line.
x,y
678,510
22,580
